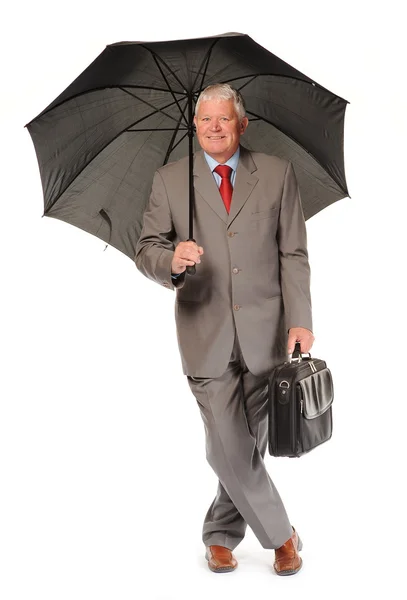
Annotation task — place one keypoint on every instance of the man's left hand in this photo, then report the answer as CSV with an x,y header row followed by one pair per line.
x,y
302,335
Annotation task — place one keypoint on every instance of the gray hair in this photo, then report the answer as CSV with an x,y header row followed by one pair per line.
x,y
223,91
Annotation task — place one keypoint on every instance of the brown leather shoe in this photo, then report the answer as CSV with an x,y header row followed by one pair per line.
x,y
288,561
220,559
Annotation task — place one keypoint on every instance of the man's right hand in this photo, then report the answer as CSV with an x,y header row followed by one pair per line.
x,y
186,255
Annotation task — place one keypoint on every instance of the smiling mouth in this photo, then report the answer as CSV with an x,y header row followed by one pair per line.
x,y
216,137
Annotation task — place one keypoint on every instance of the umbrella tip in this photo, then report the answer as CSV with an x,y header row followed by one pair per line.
x,y
230,34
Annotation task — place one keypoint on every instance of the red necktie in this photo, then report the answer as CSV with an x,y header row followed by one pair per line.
x,y
225,189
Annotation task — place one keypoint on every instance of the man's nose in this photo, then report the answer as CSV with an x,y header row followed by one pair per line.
x,y
215,125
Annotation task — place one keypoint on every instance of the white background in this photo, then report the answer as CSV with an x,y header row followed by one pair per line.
x,y
104,482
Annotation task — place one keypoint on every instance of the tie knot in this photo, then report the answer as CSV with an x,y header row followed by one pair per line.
x,y
223,171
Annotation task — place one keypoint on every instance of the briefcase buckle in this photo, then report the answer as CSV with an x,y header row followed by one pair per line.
x,y
284,396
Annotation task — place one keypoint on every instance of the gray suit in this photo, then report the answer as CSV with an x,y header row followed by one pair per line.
x,y
232,320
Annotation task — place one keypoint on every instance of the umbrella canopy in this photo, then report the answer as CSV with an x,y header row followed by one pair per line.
x,y
130,112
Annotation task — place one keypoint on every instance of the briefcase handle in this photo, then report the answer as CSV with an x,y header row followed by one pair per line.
x,y
296,355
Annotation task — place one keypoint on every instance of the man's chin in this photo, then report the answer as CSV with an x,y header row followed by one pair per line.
x,y
216,149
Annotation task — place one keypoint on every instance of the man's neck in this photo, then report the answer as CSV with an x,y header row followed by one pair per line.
x,y
222,159
211,159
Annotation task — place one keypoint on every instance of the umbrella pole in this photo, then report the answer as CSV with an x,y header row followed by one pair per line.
x,y
191,269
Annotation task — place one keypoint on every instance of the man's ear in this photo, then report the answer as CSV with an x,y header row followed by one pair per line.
x,y
243,125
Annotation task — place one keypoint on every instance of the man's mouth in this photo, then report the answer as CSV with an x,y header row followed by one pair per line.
x,y
216,137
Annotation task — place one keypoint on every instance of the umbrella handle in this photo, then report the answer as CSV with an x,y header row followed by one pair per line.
x,y
191,270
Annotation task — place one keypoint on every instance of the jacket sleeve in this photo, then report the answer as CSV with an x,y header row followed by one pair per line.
x,y
155,248
295,271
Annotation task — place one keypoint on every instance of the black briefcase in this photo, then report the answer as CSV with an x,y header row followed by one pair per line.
x,y
300,405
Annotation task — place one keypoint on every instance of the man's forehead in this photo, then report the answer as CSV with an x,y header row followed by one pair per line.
x,y
216,105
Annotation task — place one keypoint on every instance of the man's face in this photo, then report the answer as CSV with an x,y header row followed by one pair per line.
x,y
218,128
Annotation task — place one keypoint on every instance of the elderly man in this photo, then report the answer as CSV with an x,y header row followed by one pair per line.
x,y
238,316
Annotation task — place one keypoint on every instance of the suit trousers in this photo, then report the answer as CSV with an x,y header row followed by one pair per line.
x,y
235,415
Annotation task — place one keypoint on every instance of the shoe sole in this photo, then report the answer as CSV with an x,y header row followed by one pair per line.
x,y
220,569
293,571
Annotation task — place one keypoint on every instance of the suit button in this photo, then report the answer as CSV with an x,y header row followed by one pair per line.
x,y
236,307
231,233
235,271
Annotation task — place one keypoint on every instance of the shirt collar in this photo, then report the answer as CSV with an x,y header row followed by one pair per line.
x,y
232,162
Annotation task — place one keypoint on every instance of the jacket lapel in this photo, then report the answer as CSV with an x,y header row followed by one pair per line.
x,y
244,183
205,185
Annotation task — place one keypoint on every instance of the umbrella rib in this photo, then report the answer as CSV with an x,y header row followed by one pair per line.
x,y
301,146
169,88
165,64
156,89
139,121
312,83
152,105
162,129
155,112
108,156
103,213
170,146
98,89
206,58
247,82
101,150
130,165
179,141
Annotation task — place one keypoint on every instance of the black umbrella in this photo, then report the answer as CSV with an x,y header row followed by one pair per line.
x,y
131,111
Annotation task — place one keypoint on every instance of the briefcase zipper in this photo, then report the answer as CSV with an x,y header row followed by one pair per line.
x,y
303,367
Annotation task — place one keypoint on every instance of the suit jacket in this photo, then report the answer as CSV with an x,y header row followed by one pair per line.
x,y
254,275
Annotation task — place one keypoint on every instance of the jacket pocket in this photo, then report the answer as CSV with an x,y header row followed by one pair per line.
x,y
264,214
274,297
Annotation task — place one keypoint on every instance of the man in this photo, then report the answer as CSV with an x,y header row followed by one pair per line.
x,y
238,316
